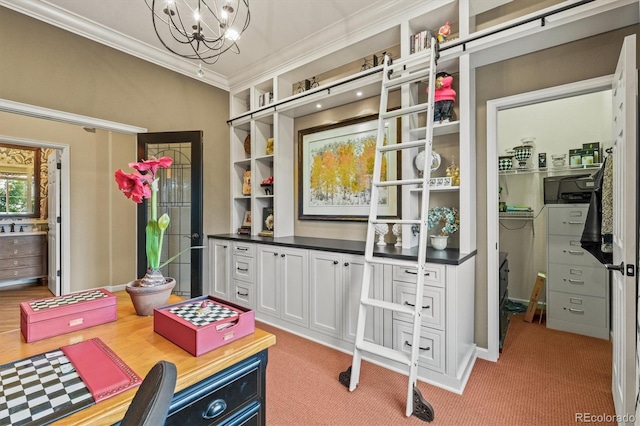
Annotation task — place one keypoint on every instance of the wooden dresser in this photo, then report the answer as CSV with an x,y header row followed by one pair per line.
x,y
23,256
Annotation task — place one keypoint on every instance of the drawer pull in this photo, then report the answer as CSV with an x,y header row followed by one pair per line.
x,y
15,252
576,252
335,262
214,409
576,311
575,222
242,294
242,270
424,307
406,271
243,248
15,262
15,241
15,273
575,271
421,348
346,263
576,281
275,254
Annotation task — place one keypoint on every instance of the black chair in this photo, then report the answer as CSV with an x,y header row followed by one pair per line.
x,y
150,405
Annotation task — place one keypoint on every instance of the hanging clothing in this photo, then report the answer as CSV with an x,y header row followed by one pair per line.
x,y
597,235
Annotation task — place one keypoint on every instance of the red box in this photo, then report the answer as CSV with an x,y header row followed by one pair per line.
x,y
198,332
40,319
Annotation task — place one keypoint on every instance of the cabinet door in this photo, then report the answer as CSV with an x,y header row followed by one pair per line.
x,y
219,268
352,272
326,271
294,282
268,281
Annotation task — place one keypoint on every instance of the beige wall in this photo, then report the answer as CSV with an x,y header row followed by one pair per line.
x,y
580,60
49,67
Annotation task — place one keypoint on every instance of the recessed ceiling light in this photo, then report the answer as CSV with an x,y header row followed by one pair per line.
x,y
318,106
358,93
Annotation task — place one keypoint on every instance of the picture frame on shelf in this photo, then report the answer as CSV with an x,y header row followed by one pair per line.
x,y
246,220
267,222
335,170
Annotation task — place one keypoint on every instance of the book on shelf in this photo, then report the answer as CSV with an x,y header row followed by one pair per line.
x,y
420,41
244,230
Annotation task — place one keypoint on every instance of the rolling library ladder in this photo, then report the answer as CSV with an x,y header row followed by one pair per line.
x,y
395,74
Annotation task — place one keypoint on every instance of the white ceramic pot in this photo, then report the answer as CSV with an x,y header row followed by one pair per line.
x,y
439,242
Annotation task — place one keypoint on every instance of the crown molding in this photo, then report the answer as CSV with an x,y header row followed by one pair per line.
x,y
92,30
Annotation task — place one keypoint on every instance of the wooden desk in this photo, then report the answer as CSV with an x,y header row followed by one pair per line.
x,y
132,338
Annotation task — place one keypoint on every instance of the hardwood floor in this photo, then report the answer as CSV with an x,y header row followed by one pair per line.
x,y
10,299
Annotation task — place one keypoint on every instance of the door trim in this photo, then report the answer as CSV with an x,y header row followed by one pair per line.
x,y
65,192
493,243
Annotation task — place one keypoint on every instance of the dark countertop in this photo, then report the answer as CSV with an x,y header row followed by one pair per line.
x,y
447,256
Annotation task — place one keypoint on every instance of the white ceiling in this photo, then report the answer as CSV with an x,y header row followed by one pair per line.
x,y
280,32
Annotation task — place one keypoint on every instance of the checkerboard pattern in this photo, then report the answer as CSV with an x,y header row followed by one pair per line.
x,y
40,389
69,299
201,315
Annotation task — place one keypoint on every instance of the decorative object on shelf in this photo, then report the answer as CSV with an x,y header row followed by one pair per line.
x,y
246,220
542,160
453,172
335,170
522,154
267,222
246,182
444,32
558,159
381,231
420,41
314,83
153,289
397,232
444,97
269,148
445,216
439,242
505,162
247,145
436,160
267,184
198,29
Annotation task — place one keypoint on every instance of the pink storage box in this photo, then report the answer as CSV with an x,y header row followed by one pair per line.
x,y
44,318
199,329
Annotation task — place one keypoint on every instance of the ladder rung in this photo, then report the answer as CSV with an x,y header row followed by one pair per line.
x,y
385,352
405,111
392,261
397,221
415,60
399,182
395,307
404,145
408,78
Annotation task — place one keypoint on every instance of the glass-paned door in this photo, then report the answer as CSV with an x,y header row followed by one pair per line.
x,y
180,196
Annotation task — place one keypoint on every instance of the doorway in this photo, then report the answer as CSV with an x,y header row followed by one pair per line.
x,y
180,196
493,244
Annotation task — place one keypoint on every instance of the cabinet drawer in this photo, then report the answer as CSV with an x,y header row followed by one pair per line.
x,y
433,275
587,310
567,220
586,280
243,268
244,249
567,250
432,304
20,273
217,398
431,344
20,262
11,247
243,294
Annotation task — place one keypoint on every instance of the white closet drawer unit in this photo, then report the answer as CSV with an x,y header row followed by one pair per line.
x,y
581,309
567,221
244,293
432,304
567,250
434,274
431,344
586,280
243,268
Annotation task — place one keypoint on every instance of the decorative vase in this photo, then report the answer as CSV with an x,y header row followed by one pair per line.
x,y
439,242
146,298
397,231
381,230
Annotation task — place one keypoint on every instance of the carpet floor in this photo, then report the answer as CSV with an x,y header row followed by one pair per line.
x,y
543,377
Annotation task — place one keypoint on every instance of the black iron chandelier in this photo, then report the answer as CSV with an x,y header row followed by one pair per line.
x,y
200,29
